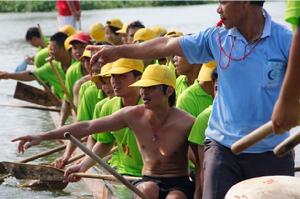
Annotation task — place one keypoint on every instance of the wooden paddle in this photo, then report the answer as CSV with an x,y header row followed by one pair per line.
x,y
34,95
49,173
32,107
39,155
104,165
253,137
34,157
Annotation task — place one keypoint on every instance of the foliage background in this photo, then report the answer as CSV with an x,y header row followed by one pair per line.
x,y
46,6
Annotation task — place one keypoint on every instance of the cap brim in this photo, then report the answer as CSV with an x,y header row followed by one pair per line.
x,y
145,83
118,70
79,40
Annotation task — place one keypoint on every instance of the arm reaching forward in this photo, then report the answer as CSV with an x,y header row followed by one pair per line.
x,y
80,129
156,48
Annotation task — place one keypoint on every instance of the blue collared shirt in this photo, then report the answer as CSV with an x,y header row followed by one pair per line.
x,y
247,88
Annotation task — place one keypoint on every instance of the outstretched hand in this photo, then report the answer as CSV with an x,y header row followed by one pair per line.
x,y
103,54
27,141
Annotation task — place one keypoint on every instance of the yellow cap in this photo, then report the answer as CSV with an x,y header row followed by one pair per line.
x,y
68,29
97,32
103,73
156,74
144,34
159,31
86,54
124,65
115,22
206,71
173,33
123,30
105,70
67,44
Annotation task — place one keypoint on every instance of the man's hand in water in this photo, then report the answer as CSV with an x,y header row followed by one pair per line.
x,y
27,141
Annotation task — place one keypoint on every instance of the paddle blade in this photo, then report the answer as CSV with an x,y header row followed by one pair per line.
x,y
34,172
34,95
45,185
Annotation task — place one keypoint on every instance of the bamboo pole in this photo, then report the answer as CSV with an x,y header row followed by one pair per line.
x,y
104,177
104,165
62,84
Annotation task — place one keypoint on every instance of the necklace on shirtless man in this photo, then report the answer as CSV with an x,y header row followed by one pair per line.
x,y
154,137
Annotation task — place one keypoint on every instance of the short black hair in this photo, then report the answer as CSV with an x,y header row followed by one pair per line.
x,y
135,24
99,43
258,3
59,38
214,75
32,32
114,29
136,73
172,98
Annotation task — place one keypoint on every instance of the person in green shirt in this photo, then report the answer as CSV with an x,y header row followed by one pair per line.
x,y
45,73
161,131
128,161
40,57
287,110
75,72
198,96
96,93
35,39
187,73
197,136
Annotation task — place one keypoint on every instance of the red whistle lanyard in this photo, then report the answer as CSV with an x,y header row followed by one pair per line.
x,y
219,24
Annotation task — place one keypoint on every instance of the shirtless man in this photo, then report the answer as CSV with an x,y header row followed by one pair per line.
x,y
161,131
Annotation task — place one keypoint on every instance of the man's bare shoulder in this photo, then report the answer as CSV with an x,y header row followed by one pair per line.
x,y
134,111
183,115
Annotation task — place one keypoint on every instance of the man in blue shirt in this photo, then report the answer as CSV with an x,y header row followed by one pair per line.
x,y
251,52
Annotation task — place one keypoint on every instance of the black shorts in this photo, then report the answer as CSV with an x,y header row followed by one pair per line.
x,y
167,184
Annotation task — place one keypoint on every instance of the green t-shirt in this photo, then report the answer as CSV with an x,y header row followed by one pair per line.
x,y
292,13
73,74
82,89
181,84
130,160
114,161
40,57
46,74
91,96
197,134
194,100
